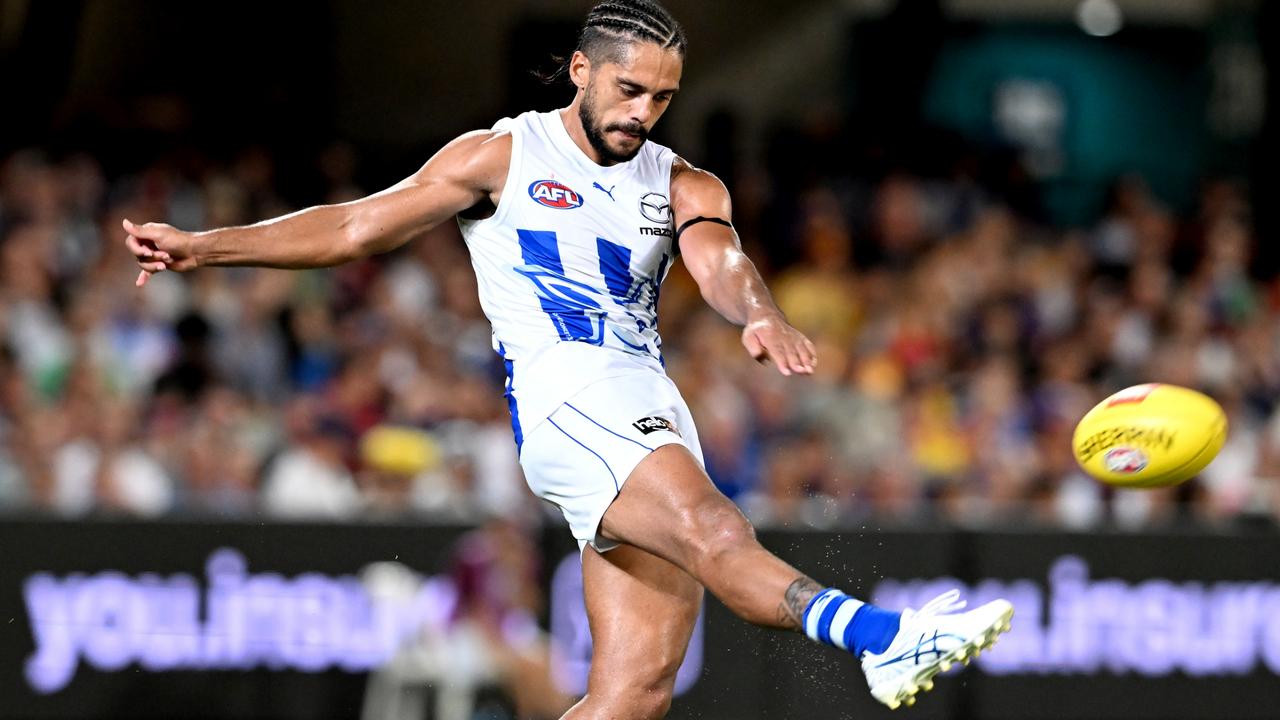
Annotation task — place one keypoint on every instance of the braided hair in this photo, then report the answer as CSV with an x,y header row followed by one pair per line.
x,y
612,25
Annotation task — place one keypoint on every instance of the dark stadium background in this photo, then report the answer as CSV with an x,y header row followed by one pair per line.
x,y
988,218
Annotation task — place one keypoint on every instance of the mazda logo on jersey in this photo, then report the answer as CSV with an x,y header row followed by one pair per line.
x,y
554,195
655,208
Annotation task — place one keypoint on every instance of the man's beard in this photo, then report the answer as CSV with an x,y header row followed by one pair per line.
x,y
596,134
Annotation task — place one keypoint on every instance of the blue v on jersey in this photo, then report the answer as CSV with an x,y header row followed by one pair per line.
x,y
570,263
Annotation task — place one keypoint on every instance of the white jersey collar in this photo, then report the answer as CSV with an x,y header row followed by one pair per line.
x,y
559,134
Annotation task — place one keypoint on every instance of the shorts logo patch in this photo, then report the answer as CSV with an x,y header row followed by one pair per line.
x,y
654,424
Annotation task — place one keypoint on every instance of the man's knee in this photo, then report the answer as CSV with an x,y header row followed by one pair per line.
x,y
645,689
639,686
717,528
636,702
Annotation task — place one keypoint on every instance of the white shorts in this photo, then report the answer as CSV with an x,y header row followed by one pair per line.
x,y
582,454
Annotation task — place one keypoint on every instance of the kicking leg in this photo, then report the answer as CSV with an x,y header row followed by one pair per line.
x,y
669,507
642,610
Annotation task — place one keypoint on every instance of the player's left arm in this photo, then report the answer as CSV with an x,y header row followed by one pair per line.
x,y
728,279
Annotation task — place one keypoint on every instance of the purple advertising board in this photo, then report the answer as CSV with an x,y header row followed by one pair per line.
x,y
119,619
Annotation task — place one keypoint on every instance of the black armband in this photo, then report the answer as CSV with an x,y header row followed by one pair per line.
x,y
694,221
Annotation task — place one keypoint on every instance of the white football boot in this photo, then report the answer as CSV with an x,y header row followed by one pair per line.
x,y
928,642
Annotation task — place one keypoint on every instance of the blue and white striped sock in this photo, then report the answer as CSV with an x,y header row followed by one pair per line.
x,y
849,624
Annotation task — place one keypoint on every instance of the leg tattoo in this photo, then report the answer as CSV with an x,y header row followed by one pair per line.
x,y
794,601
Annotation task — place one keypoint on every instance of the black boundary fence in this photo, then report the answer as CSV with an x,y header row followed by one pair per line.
x,y
115,619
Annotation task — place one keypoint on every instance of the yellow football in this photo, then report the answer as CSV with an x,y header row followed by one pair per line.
x,y
1151,435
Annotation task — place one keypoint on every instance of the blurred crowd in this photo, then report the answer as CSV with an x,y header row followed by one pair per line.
x,y
960,338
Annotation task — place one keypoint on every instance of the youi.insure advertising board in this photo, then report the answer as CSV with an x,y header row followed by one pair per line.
x,y
115,619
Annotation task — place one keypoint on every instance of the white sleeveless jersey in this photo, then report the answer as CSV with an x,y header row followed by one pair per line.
x,y
569,264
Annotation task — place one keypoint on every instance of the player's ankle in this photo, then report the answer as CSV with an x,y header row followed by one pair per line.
x,y
836,619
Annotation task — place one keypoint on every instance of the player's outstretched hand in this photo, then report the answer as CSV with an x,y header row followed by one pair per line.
x,y
773,340
158,247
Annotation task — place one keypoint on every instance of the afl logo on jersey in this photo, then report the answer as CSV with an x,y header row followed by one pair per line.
x,y
554,195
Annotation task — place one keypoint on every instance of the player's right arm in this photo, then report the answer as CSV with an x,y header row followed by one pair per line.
x,y
465,172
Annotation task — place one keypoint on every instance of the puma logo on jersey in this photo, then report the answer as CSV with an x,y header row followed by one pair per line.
x,y
552,194
655,207
608,192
